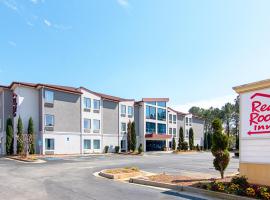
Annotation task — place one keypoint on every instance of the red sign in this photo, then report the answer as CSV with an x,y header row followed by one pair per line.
x,y
259,118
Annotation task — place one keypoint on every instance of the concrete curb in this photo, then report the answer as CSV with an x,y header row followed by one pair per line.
x,y
189,189
119,176
38,161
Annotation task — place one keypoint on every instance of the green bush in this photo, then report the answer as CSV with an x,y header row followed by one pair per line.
x,y
117,148
173,144
20,142
242,181
181,139
191,139
9,137
140,149
106,149
185,146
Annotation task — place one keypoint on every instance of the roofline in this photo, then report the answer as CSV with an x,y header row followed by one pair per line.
x,y
113,98
46,86
155,99
252,86
178,112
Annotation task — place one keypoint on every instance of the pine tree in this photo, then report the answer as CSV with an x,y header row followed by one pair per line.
x,y
191,139
20,143
209,140
9,137
133,137
31,136
173,143
181,139
220,148
129,136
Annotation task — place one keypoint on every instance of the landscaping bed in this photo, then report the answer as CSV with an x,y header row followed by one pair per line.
x,y
121,173
236,186
31,158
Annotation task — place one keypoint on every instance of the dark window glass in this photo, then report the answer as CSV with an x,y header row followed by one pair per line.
x,y
162,129
161,114
49,144
150,112
150,127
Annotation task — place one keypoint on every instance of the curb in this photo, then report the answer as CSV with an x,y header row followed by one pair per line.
x,y
119,176
189,189
38,161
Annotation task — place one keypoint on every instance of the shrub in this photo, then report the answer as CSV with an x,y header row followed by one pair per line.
x,y
133,137
140,149
217,186
241,181
250,192
233,188
116,149
191,139
173,144
185,146
31,134
9,137
106,149
197,148
181,139
265,195
20,142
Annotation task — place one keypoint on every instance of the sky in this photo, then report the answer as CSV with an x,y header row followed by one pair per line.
x,y
191,51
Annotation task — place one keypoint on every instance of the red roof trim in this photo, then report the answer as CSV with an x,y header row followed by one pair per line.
x,y
157,136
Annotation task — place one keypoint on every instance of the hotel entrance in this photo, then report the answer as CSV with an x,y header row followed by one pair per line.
x,y
155,145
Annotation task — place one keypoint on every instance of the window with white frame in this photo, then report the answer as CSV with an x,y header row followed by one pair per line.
x,y
49,144
49,96
187,121
96,104
123,110
86,103
130,111
87,144
174,119
96,124
96,144
87,123
123,127
174,131
187,133
170,131
170,118
49,120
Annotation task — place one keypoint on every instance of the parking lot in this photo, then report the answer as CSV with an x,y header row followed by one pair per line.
x,y
72,177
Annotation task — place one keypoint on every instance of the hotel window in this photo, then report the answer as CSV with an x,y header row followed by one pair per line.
x,y
49,96
123,127
130,111
87,124
87,144
49,144
161,114
96,144
186,133
174,131
151,103
150,127
190,121
86,103
150,112
170,118
123,144
174,119
170,131
49,120
162,129
161,104
123,110
96,125
96,104
187,121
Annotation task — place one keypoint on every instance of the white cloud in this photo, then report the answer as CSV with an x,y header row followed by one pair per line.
x,y
47,22
215,102
37,1
123,3
11,4
12,43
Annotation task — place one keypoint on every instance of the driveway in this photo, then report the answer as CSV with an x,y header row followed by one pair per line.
x,y
72,177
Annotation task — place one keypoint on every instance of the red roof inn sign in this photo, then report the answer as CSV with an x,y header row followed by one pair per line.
x,y
259,117
254,161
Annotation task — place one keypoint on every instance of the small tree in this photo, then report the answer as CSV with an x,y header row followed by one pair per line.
x,y
205,144
9,137
173,144
140,149
31,134
129,136
20,143
191,139
220,148
209,140
133,137
181,138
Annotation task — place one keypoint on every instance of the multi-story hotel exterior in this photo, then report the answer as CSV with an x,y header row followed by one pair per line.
x,y
70,120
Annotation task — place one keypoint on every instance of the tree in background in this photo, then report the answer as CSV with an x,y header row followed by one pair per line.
x,y
9,137
220,148
227,116
20,141
133,137
191,139
205,143
31,135
173,144
209,140
129,136
181,139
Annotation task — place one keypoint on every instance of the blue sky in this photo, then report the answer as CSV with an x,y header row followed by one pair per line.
x,y
191,51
